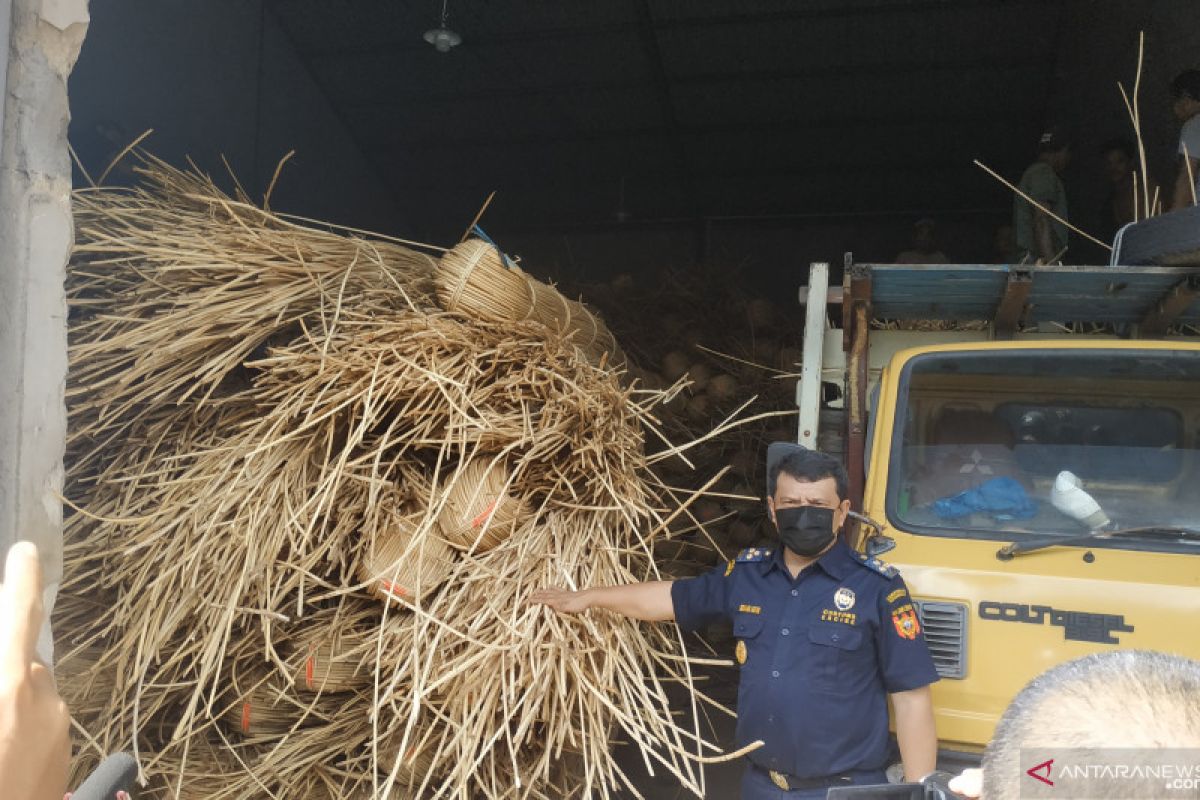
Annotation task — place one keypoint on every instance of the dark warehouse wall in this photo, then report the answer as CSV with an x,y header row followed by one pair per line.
x,y
216,78
1098,48
221,76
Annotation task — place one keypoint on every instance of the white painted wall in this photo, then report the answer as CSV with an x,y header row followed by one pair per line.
x,y
220,77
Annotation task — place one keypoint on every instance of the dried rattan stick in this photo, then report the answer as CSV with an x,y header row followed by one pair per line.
x,y
478,216
1039,206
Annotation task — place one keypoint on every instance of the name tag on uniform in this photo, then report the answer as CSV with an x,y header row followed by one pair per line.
x,y
844,617
745,609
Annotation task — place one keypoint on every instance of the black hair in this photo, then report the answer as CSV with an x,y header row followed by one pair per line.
x,y
810,466
1122,144
1055,145
1186,83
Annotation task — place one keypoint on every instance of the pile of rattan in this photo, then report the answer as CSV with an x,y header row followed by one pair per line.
x,y
734,353
311,505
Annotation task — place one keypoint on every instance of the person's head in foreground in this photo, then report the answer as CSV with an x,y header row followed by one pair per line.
x,y
1119,699
807,497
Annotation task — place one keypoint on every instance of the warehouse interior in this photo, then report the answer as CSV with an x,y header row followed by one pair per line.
x,y
634,149
625,136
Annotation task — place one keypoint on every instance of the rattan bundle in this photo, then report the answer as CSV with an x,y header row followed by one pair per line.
x,y
473,278
231,538
406,560
260,704
409,767
480,511
330,651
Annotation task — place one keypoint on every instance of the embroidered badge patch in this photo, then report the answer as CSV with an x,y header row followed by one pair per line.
x,y
740,652
895,595
748,609
906,622
843,598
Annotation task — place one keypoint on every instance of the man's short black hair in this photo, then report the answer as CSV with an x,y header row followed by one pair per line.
x,y
1120,143
1186,83
810,466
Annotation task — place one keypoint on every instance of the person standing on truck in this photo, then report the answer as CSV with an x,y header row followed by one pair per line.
x,y
1040,236
1185,89
824,637
1128,188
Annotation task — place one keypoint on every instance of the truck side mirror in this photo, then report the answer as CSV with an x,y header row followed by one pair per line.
x,y
877,543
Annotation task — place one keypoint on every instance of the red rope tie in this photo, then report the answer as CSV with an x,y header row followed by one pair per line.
x,y
487,512
392,588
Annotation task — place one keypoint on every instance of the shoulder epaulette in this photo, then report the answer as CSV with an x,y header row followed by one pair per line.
x,y
875,565
752,554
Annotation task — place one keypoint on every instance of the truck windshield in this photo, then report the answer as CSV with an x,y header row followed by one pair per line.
x,y
1023,443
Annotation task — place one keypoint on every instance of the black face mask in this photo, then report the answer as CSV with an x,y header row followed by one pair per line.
x,y
805,530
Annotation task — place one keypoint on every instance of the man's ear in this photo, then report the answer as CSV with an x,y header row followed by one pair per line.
x,y
839,516
771,509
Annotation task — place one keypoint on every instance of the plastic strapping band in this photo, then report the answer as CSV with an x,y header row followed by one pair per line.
x,y
505,260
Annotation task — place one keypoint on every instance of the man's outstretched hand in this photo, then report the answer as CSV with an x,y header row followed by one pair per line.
x,y
564,601
35,743
646,601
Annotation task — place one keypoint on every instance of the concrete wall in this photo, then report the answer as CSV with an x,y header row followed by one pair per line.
x,y
214,78
35,226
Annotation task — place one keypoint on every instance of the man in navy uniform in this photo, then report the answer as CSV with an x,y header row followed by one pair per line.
x,y
824,637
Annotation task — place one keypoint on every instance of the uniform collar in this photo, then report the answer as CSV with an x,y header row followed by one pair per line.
x,y
835,562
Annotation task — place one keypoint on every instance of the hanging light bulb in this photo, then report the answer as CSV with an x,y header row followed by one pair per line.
x,y
442,38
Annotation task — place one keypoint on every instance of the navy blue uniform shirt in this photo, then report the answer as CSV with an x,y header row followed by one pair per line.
x,y
818,654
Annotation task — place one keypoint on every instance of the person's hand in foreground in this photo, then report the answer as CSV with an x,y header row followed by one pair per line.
x,y
968,784
35,743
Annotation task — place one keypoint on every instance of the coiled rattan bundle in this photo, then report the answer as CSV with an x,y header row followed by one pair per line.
x,y
407,559
473,278
480,511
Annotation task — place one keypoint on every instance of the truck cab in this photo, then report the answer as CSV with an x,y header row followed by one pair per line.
x,y
1039,490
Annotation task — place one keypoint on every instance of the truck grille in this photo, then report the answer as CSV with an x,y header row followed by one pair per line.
x,y
945,627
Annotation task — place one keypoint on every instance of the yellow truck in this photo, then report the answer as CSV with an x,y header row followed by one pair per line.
x,y
1036,482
